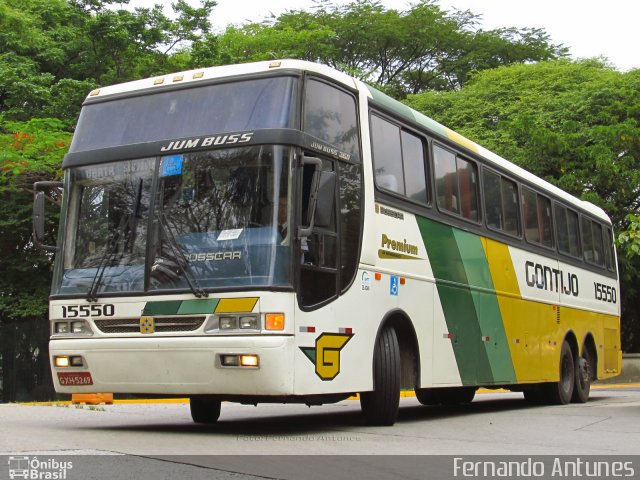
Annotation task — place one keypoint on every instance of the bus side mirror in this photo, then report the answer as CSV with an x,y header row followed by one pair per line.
x,y
39,215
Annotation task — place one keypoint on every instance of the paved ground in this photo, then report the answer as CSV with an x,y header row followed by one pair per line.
x,y
494,424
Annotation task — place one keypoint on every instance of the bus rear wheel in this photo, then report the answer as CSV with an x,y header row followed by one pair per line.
x,y
583,377
204,410
560,392
380,407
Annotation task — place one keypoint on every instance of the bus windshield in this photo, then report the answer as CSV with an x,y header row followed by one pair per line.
x,y
168,115
206,220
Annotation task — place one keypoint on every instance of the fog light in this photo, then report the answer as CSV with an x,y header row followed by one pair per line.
x,y
249,322
76,361
249,360
229,360
61,327
228,323
274,321
61,362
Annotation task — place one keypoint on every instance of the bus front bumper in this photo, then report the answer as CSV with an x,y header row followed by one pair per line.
x,y
174,365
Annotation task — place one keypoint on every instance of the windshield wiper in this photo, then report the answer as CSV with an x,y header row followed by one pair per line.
x,y
106,258
109,252
195,287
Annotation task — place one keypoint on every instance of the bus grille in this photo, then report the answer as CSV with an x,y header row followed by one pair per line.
x,y
162,324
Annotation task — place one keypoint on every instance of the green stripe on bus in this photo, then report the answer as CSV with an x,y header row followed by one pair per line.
x,y
181,307
162,308
198,306
457,301
494,338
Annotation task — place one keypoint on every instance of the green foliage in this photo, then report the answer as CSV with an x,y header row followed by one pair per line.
x,y
399,51
629,240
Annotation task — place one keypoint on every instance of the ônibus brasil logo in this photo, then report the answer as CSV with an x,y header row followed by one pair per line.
x,y
35,469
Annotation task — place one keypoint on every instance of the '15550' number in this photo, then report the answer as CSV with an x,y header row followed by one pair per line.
x,y
605,293
97,310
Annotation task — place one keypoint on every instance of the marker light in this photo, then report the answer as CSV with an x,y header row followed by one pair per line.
x,y
249,360
274,321
61,362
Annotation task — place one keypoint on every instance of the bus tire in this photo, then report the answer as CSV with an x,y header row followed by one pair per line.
x,y
560,392
583,368
205,410
380,407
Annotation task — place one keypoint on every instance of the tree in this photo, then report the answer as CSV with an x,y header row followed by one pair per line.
x,y
399,51
576,124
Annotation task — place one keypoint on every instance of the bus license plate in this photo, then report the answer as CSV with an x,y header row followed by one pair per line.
x,y
75,378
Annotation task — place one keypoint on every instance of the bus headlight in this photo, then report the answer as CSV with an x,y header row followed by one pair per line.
x,y
75,327
61,327
228,323
249,322
79,326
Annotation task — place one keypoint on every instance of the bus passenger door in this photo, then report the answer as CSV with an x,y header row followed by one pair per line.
x,y
317,235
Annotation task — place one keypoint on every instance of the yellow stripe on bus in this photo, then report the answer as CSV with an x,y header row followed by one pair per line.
x,y
528,325
236,305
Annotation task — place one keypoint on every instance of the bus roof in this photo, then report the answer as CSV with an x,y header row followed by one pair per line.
x,y
202,74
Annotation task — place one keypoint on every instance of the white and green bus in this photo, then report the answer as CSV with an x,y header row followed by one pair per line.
x,y
282,232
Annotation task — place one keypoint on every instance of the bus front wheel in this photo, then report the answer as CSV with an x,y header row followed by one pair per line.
x,y
380,407
204,410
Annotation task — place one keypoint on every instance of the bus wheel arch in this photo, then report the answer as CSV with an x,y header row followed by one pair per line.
x,y
408,345
395,363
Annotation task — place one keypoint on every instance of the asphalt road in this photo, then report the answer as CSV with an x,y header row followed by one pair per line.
x,y
146,436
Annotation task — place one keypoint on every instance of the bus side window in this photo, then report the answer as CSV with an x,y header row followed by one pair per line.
x,y
387,156
330,115
587,240
598,246
609,254
415,183
446,179
538,227
593,242
399,162
568,230
456,183
492,201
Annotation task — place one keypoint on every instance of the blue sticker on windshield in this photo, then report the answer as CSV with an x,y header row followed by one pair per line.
x,y
171,165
